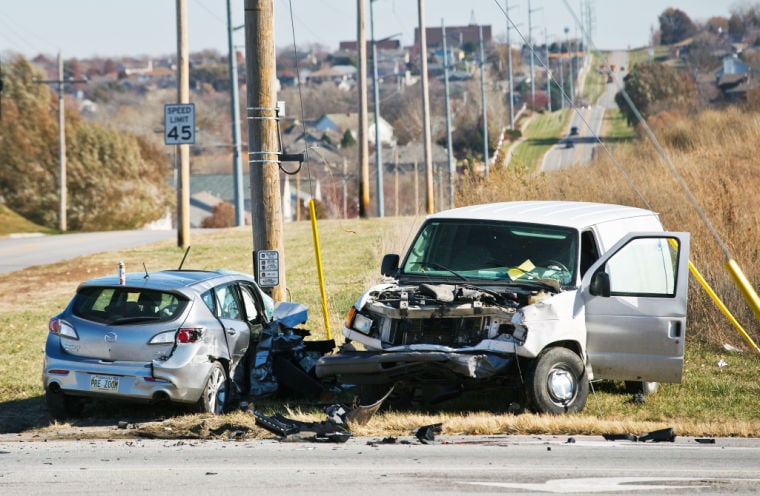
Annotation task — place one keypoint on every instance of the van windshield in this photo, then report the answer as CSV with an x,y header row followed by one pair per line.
x,y
490,250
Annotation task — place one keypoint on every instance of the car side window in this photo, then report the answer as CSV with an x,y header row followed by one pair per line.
x,y
644,267
589,251
229,306
210,301
249,304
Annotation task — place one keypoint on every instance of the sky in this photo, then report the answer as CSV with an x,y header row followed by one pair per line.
x,y
110,28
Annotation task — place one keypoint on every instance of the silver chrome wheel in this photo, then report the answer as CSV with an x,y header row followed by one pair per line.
x,y
214,396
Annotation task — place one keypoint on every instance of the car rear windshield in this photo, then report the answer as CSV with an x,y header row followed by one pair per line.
x,y
121,305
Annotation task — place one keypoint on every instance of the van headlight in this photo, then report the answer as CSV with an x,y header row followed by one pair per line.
x,y
358,322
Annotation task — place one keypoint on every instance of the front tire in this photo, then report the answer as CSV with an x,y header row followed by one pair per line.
x,y
557,382
214,397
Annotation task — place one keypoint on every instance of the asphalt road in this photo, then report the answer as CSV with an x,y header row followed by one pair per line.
x,y
451,465
588,121
19,252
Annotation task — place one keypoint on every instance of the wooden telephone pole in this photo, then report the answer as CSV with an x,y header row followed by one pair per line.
x,y
183,96
263,145
361,46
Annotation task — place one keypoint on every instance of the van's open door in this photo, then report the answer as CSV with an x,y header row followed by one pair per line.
x,y
635,300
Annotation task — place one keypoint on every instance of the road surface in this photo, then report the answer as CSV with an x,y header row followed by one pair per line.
x,y
588,120
452,465
17,253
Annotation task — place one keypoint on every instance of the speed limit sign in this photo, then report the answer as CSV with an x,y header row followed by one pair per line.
x,y
179,124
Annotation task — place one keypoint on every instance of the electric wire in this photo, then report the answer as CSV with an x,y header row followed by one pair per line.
x,y
300,100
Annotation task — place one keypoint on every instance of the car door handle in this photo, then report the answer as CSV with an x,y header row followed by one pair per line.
x,y
231,331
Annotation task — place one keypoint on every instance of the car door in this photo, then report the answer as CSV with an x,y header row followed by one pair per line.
x,y
635,304
232,316
254,310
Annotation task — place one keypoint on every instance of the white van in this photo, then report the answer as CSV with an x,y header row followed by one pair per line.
x,y
540,296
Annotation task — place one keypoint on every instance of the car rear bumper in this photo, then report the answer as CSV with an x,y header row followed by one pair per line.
x,y
137,381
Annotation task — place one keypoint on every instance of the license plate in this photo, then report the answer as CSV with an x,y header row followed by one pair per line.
x,y
104,383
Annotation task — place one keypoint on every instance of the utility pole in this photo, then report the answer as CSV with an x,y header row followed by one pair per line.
x,y
376,90
62,189
561,77
427,141
183,96
548,73
237,161
361,46
484,112
449,151
569,66
530,45
263,145
510,85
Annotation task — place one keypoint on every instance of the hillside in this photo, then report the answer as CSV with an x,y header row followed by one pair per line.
x,y
11,223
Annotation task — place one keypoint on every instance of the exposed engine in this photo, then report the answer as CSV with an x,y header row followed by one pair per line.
x,y
452,315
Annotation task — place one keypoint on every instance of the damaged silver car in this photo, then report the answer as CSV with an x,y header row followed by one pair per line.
x,y
185,336
538,297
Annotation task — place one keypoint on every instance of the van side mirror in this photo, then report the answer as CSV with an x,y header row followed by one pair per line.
x,y
600,284
389,267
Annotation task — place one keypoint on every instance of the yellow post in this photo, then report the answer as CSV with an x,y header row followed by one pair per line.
x,y
313,216
744,286
721,306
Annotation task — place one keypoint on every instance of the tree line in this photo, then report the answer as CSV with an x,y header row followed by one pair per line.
x,y
115,179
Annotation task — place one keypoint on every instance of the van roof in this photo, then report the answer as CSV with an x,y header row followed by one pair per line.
x,y
577,215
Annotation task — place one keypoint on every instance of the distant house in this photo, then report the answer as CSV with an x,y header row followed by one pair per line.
x,y
340,123
733,78
336,74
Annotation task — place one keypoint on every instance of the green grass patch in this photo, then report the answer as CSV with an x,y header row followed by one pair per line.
x,y
12,223
540,134
616,129
595,82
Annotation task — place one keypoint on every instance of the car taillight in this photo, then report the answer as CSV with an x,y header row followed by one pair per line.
x,y
61,328
189,335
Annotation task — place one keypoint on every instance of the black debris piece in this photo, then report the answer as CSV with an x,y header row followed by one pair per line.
x,y
325,431
705,440
428,432
659,436
620,437
571,440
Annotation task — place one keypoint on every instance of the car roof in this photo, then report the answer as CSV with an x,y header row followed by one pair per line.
x,y
572,214
170,279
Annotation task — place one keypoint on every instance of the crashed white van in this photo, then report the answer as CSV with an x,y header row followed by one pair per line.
x,y
539,296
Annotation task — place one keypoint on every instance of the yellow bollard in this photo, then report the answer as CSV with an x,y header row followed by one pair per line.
x,y
319,267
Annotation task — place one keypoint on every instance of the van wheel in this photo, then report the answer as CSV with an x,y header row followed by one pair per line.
x,y
556,382
638,387
214,397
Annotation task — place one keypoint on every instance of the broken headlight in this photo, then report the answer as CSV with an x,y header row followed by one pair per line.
x,y
358,322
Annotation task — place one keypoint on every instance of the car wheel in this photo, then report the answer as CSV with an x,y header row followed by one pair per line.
x,y
214,397
557,382
62,406
638,387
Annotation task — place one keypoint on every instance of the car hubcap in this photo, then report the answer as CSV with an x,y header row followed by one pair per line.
x,y
217,391
561,385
